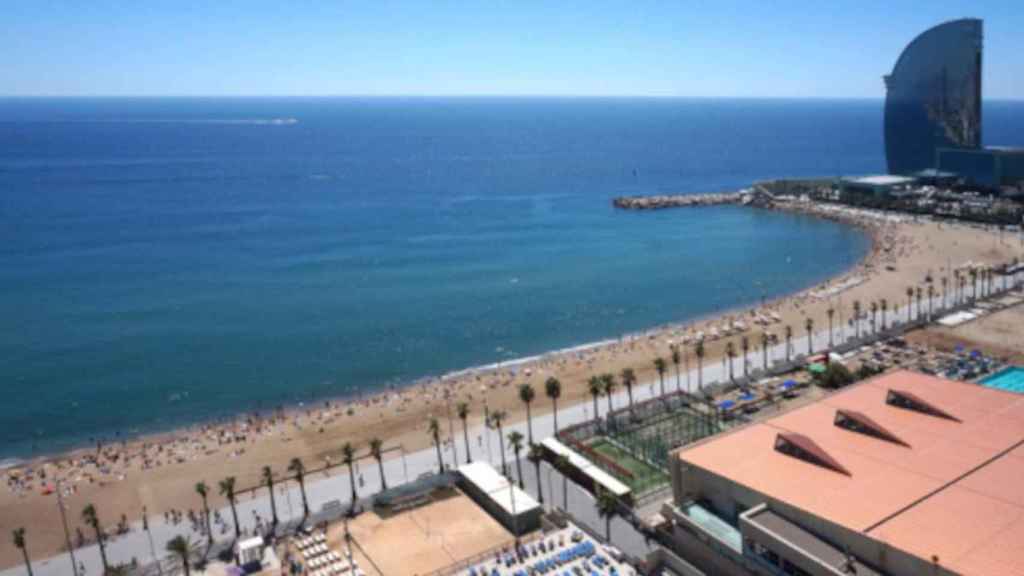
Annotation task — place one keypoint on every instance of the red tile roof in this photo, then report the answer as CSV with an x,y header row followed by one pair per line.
x,y
954,490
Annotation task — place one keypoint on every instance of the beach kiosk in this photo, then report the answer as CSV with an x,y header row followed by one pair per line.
x,y
250,551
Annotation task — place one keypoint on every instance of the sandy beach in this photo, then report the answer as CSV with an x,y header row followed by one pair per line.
x,y
159,472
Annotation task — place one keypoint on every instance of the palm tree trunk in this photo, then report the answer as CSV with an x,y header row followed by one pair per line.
x,y
209,528
465,436
554,406
678,385
501,443
596,414
103,551
519,470
700,374
440,460
529,425
305,503
234,516
383,479
273,504
28,565
352,484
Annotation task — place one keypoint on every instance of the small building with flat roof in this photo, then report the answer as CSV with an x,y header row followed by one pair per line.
x,y
516,510
902,474
877,188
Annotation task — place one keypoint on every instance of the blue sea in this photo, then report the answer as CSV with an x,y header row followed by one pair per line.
x,y
167,261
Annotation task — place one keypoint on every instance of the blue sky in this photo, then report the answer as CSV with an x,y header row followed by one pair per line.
x,y
783,48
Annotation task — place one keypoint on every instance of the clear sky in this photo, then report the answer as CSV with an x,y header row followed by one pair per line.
x,y
731,48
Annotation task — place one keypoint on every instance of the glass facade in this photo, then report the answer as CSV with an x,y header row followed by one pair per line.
x,y
933,96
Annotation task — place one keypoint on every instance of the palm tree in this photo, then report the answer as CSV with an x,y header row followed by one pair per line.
x,y
809,325
675,360
19,543
659,365
463,411
963,289
945,291
974,283
628,380
204,493
526,394
745,346
919,292
182,548
93,521
296,467
535,454
594,387
931,299
377,451
227,489
553,390
516,439
348,457
910,302
856,318
606,508
609,385
885,308
874,317
789,339
268,481
830,312
698,351
434,428
765,340
497,417
562,463
730,353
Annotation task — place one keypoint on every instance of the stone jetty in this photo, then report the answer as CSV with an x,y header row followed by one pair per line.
x,y
683,200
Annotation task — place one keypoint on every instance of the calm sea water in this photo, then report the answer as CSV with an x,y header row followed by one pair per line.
x,y
164,261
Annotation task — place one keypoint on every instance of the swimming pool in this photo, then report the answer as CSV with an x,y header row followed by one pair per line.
x,y
1011,379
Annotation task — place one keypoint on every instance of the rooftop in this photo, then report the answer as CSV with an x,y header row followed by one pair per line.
x,y
881,180
948,489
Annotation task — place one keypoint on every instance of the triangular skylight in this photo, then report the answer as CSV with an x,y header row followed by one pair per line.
x,y
863,424
803,448
910,401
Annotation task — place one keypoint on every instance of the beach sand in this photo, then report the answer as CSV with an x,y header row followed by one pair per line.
x,y
160,472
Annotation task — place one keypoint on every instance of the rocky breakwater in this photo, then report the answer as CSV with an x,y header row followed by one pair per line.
x,y
756,197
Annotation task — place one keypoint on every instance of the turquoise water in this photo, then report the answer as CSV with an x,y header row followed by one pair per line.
x,y
1011,379
166,261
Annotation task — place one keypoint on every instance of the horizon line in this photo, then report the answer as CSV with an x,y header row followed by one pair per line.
x,y
449,96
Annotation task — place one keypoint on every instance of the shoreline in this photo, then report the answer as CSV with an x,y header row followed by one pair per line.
x,y
158,472
172,432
